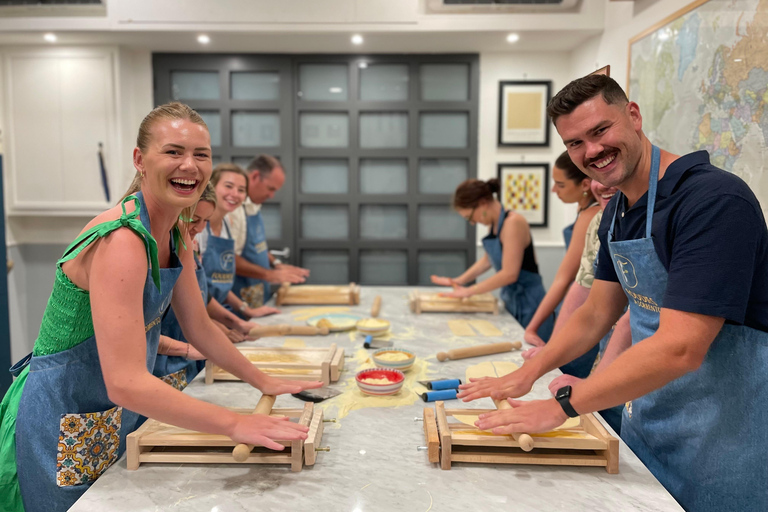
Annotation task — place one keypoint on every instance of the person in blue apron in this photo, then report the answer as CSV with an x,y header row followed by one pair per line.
x,y
685,244
508,249
217,245
571,186
618,338
65,418
255,268
178,362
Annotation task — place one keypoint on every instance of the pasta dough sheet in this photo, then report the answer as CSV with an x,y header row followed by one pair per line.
x,y
490,369
470,419
275,357
485,328
460,328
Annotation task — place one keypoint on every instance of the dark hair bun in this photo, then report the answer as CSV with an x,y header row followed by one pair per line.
x,y
494,185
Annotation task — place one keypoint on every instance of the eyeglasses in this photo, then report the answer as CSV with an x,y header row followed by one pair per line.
x,y
471,214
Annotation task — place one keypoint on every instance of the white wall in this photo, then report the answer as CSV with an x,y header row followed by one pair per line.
x,y
496,67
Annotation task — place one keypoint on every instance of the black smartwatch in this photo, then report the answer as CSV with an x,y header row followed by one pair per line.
x,y
563,397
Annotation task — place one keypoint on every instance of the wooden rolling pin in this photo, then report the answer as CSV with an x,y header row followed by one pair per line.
x,y
376,306
241,452
524,440
479,350
264,331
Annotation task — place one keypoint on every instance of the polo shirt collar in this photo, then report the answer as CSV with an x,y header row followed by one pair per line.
x,y
672,177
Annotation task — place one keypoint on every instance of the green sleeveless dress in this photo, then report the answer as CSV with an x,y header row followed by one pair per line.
x,y
67,322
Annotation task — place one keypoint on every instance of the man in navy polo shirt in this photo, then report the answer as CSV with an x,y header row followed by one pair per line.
x,y
686,245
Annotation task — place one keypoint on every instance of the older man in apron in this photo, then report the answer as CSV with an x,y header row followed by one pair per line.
x,y
686,245
255,268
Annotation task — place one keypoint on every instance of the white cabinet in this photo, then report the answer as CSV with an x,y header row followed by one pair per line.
x,y
59,105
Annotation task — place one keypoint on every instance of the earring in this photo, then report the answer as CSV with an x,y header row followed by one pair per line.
x,y
584,193
141,174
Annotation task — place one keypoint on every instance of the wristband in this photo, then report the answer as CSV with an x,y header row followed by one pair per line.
x,y
243,306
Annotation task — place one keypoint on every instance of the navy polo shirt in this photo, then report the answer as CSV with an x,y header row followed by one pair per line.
x,y
709,233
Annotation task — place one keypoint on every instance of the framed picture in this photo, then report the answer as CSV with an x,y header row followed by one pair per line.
x,y
523,113
524,189
605,70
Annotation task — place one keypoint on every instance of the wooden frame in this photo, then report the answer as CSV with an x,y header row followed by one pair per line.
x,y
588,445
523,120
434,303
526,184
325,364
288,294
653,28
158,442
605,70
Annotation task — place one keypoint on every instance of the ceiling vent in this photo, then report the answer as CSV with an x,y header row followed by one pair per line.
x,y
39,8
501,6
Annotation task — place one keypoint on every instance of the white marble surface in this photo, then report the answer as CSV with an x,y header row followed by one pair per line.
x,y
373,464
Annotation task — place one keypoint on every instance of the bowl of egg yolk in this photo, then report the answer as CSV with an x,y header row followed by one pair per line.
x,y
380,381
373,326
397,358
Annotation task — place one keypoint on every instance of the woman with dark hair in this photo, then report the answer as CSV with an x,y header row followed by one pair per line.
x,y
571,186
508,249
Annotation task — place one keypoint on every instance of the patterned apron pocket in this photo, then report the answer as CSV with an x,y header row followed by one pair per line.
x,y
176,379
253,295
88,445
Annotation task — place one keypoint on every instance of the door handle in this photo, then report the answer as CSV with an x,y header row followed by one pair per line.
x,y
285,253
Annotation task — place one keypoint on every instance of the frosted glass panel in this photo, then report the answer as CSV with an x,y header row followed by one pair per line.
x,y
384,267
323,82
195,85
444,82
384,82
260,129
256,86
443,263
378,222
324,176
324,130
437,222
442,175
383,176
242,161
326,267
213,120
384,130
325,222
444,129
273,226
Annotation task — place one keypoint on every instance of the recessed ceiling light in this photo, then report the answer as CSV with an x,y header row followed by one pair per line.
x,y
363,65
335,90
51,38
357,39
203,39
513,38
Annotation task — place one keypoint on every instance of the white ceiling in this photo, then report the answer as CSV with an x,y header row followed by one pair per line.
x,y
308,42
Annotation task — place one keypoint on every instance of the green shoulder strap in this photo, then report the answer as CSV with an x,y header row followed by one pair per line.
x,y
129,220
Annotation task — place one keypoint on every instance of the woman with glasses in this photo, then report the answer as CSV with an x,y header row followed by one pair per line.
x,y
508,248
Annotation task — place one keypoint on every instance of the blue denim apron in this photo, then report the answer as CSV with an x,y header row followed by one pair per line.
x,y
219,264
176,370
68,432
703,435
254,291
567,235
522,297
582,365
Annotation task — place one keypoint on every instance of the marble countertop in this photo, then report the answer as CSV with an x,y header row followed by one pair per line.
x,y
374,464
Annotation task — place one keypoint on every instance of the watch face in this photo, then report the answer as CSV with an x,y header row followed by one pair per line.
x,y
563,392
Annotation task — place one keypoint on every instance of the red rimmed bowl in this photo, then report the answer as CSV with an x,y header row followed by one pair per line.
x,y
394,381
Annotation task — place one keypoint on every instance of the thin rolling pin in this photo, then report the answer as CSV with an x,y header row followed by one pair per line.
x,y
241,452
263,331
524,440
376,306
479,350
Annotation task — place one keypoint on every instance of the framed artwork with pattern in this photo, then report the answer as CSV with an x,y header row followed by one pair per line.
x,y
524,189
